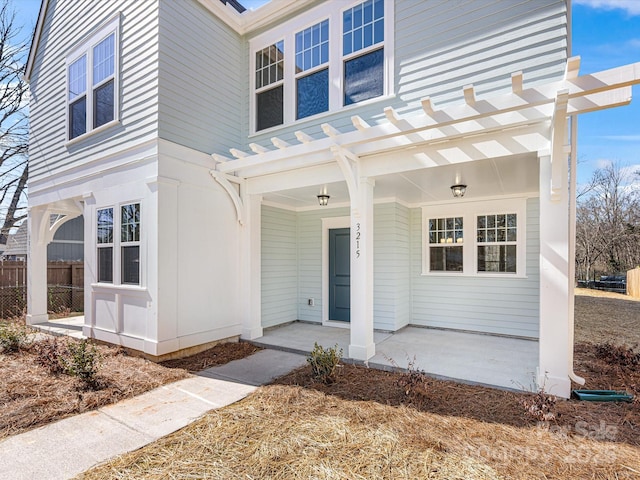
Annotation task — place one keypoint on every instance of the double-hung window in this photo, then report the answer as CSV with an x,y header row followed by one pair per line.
x,y
362,50
126,246
270,86
92,82
312,70
497,242
484,238
329,57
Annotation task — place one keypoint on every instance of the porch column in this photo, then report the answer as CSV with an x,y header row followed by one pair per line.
x,y
553,370
251,277
362,346
37,267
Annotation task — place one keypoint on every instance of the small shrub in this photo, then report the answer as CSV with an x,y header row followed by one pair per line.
x,y
50,354
617,355
82,362
324,363
414,382
541,406
13,337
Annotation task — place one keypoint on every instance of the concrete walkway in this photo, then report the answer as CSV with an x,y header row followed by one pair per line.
x,y
68,447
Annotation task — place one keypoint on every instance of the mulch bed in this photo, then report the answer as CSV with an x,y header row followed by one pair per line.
x,y
497,406
218,355
31,396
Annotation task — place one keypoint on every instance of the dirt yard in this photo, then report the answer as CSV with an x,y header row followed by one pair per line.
x,y
365,425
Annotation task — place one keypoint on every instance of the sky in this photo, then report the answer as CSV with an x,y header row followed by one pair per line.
x,y
606,34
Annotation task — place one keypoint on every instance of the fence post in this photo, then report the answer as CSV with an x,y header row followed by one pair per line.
x,y
633,282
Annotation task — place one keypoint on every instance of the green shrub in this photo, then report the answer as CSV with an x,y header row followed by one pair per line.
x,y
82,362
324,363
13,337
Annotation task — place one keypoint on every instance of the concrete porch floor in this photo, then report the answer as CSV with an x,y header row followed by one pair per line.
x,y
70,327
503,362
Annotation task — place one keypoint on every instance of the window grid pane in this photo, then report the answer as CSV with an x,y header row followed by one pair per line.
x,y
270,65
310,45
105,225
78,78
362,26
497,243
104,59
446,238
130,223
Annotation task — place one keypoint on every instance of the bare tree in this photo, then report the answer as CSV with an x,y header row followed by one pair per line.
x,y
608,223
14,138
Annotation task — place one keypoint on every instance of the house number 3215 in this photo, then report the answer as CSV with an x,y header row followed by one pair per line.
x,y
358,233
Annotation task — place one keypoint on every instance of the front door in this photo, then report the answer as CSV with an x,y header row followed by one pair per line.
x,y
339,275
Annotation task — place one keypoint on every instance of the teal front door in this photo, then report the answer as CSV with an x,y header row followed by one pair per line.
x,y
339,275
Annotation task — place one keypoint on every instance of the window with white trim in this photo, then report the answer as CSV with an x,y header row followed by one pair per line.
x,y
445,244
130,243
92,84
270,86
332,56
363,56
122,250
484,238
312,70
497,242
105,245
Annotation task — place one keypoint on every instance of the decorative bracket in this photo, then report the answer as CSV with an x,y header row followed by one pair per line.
x,y
224,181
349,164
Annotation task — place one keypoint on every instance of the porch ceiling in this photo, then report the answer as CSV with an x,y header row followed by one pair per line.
x,y
485,178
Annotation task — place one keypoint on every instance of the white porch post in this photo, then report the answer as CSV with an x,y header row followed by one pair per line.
x,y
362,346
251,278
553,369
37,267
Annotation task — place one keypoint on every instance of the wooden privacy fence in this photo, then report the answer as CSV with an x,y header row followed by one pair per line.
x,y
65,289
633,282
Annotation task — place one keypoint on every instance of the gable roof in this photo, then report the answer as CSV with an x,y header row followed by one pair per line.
x,y
237,17
17,243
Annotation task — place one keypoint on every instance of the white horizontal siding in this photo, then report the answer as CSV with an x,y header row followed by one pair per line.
x,y
203,81
279,266
507,306
66,25
391,266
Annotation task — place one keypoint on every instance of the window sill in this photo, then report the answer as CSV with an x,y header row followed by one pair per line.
x,y
314,119
127,288
473,275
93,132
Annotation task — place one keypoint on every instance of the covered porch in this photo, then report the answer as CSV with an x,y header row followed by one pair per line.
x,y
504,362
513,150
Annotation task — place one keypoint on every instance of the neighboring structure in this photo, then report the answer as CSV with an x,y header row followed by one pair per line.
x,y
67,244
197,141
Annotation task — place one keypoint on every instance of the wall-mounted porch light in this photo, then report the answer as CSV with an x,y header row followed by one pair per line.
x,y
458,190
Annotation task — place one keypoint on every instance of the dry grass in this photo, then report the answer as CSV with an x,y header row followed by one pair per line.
x,y
606,317
289,432
365,426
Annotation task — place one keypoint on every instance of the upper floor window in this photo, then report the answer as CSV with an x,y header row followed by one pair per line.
x,y
92,82
312,70
269,85
334,55
363,31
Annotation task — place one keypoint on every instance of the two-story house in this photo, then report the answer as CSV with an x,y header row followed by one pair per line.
x,y
370,164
